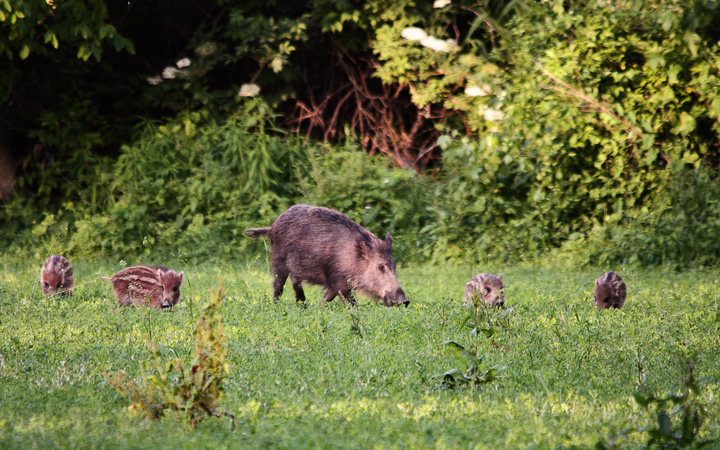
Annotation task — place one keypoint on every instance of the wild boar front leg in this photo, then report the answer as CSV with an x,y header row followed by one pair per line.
x,y
347,295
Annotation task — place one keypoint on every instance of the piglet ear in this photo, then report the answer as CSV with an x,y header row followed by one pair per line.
x,y
597,281
500,277
388,240
181,275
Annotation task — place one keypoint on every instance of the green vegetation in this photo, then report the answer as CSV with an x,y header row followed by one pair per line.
x,y
508,133
361,377
514,130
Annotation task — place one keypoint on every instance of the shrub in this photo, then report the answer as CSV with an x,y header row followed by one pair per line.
x,y
679,227
194,180
382,198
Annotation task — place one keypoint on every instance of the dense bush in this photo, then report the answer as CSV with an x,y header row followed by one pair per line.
x,y
194,181
604,96
586,114
589,126
680,227
190,187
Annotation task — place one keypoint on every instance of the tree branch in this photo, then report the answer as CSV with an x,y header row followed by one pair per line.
x,y
571,91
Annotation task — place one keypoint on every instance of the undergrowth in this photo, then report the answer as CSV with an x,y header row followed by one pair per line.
x,y
481,324
187,189
675,420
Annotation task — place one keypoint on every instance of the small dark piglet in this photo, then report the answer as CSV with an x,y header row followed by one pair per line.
x,y
56,276
324,247
487,287
147,286
610,291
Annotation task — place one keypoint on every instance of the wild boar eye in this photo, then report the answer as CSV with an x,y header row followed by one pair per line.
x,y
487,290
175,289
381,268
47,285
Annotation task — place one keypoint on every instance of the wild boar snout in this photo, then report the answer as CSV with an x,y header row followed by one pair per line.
x,y
498,301
396,298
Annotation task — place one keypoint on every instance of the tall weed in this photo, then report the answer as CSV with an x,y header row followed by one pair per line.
x,y
192,391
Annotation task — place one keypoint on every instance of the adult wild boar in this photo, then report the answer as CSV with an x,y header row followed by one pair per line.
x,y
324,247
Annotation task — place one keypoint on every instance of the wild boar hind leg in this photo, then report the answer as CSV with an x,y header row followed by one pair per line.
x,y
330,294
297,286
281,275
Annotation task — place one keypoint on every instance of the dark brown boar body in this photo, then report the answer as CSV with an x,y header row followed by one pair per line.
x,y
324,247
610,291
56,276
488,288
147,286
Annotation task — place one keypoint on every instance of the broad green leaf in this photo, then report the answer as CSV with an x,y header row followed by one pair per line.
x,y
450,373
464,322
655,60
84,52
488,332
690,157
685,126
672,76
692,40
715,106
276,64
464,356
648,140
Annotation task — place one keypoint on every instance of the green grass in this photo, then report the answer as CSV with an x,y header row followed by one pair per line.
x,y
331,376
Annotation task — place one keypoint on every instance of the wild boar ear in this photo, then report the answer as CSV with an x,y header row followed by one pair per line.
x,y
597,281
362,249
499,277
181,275
388,240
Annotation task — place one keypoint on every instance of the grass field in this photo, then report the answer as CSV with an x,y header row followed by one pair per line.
x,y
330,376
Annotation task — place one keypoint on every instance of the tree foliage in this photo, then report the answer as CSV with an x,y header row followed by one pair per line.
x,y
538,125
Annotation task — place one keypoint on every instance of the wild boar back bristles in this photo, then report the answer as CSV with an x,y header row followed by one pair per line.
x,y
325,247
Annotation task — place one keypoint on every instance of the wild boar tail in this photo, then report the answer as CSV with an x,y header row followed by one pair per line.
x,y
257,232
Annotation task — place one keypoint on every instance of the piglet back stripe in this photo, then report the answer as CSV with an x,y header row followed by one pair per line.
x,y
57,264
147,273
